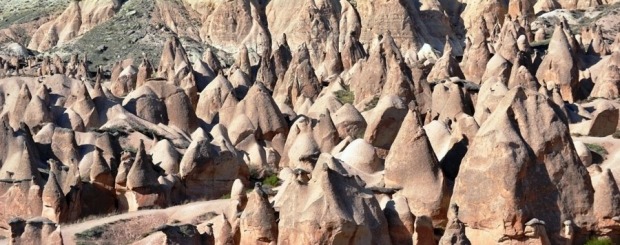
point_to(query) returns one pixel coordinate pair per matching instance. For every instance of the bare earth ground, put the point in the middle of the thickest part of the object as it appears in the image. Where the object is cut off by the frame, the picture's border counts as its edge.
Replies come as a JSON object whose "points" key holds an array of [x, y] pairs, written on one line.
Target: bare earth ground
{"points": [[186, 213]]}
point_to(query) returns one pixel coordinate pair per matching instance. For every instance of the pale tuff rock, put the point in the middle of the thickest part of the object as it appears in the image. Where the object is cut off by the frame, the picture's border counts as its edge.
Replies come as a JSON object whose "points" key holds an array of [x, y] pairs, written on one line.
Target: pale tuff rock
{"points": [[258, 220], [524, 120], [606, 198], [349, 121], [321, 202], [497, 68], [520, 75], [400, 220], [601, 122], [450, 101], [446, 67], [584, 153], [300, 80], [606, 76], [477, 54], [166, 156], [78, 18], [506, 43], [141, 175], [559, 68], [174, 64], [205, 160], [213, 97], [384, 121], [305, 20], [384, 70], [491, 11], [234, 23], [412, 167], [262, 110], [455, 230], [54, 203], [361, 156]]}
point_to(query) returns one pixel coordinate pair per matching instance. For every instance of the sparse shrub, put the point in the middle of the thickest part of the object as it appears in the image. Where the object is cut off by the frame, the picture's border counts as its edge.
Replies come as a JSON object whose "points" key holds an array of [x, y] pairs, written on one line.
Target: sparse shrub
{"points": [[92, 233], [360, 133], [148, 132], [187, 230], [130, 149], [616, 135], [372, 103], [271, 180], [599, 241], [254, 172], [345, 96], [596, 148], [541, 43], [225, 196], [113, 131]]}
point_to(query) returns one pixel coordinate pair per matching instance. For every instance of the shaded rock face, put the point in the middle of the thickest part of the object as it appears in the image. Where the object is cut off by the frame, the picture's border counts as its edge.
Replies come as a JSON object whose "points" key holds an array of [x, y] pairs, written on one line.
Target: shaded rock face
{"points": [[214, 162], [527, 167], [333, 196]]}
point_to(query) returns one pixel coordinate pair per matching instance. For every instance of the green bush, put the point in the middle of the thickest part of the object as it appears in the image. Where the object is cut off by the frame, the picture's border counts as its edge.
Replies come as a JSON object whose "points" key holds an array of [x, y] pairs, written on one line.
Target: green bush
{"points": [[541, 43], [372, 103], [92, 233], [271, 180], [345, 96], [599, 241], [596, 148]]}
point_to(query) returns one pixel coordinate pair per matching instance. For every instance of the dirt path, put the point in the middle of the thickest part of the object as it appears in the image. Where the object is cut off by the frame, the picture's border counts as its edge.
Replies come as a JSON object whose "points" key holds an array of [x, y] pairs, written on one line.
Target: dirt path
{"points": [[68, 232], [183, 213]]}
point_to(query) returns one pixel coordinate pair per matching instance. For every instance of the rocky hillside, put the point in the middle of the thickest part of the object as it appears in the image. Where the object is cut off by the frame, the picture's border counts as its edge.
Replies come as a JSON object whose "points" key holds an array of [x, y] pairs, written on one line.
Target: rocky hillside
{"points": [[309, 122]]}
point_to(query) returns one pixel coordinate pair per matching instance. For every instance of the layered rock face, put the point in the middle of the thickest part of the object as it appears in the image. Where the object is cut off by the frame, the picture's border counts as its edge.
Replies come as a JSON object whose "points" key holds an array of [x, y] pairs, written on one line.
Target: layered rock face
{"points": [[78, 18]]}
